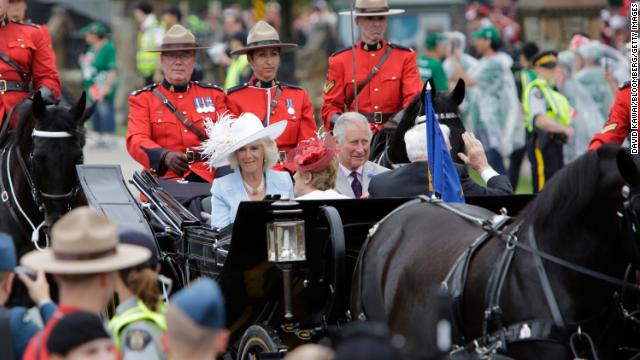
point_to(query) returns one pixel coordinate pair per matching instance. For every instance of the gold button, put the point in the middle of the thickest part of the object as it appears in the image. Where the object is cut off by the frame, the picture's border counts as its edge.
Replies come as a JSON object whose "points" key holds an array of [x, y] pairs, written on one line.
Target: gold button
{"points": [[372, 55], [294, 118], [376, 107], [376, 89], [22, 46], [179, 96], [184, 113], [393, 78], [159, 120], [185, 130]]}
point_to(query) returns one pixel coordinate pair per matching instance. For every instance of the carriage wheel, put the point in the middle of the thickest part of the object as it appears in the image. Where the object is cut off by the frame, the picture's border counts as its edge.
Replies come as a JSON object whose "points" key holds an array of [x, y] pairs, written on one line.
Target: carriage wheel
{"points": [[257, 340]]}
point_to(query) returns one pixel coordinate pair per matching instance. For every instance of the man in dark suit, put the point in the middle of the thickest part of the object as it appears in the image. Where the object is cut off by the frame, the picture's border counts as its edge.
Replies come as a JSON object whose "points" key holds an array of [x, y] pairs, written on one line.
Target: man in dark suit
{"points": [[411, 179]]}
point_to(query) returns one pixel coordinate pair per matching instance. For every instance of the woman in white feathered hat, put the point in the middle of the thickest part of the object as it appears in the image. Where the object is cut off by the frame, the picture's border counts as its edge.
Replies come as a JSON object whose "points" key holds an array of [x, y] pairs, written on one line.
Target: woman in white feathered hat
{"points": [[250, 149]]}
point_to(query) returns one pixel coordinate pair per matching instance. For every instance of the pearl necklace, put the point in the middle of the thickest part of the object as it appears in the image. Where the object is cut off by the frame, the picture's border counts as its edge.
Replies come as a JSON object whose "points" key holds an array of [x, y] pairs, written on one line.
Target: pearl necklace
{"points": [[254, 191]]}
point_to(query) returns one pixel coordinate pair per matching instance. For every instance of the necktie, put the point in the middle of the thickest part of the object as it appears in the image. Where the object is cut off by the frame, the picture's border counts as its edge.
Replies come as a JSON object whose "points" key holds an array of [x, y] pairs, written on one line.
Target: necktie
{"points": [[356, 186]]}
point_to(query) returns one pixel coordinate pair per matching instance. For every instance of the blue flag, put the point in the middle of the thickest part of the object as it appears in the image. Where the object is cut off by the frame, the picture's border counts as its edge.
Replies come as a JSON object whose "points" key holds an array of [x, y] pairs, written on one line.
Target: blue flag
{"points": [[444, 179]]}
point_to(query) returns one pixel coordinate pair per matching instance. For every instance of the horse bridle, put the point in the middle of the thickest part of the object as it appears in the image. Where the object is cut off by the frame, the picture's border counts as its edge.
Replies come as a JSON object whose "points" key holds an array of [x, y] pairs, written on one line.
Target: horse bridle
{"points": [[37, 194]]}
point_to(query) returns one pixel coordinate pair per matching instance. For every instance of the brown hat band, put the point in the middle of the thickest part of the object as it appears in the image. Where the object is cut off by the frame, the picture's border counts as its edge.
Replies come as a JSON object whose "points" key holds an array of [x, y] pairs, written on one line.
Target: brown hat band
{"points": [[178, 46], [372, 10], [87, 256], [265, 42]]}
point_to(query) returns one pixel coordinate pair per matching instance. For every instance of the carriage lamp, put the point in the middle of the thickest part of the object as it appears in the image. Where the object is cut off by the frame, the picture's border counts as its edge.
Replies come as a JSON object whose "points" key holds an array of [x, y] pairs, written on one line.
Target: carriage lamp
{"points": [[285, 234], [286, 244]]}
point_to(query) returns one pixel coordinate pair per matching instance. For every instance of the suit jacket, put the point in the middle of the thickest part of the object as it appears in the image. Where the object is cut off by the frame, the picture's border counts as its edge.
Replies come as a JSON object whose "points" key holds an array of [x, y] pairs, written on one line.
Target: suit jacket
{"points": [[227, 192], [370, 170], [411, 180]]}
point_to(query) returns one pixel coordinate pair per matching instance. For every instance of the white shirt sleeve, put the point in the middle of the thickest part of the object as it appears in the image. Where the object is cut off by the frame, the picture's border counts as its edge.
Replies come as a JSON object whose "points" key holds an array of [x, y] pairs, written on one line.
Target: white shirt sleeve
{"points": [[488, 174]]}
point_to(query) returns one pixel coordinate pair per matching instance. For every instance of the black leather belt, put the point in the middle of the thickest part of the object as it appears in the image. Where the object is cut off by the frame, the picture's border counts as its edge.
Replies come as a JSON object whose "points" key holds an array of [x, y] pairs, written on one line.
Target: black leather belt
{"points": [[193, 156], [10, 85], [378, 117]]}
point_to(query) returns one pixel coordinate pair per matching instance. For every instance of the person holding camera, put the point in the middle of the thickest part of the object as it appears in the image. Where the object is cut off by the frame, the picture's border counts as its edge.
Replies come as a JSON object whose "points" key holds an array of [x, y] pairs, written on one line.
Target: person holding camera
{"points": [[547, 119]]}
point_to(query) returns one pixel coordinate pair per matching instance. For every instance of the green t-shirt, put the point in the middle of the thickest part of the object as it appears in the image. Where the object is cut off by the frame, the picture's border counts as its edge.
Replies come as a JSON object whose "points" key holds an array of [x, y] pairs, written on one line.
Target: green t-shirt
{"points": [[96, 67], [431, 68]]}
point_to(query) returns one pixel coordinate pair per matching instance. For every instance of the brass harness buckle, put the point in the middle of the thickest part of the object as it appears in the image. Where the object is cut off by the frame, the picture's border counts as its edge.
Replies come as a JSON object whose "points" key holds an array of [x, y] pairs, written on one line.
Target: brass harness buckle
{"points": [[377, 117]]}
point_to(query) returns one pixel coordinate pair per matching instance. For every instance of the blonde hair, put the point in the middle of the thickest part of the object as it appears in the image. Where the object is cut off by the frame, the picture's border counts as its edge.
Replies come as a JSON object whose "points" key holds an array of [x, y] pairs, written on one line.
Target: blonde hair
{"points": [[271, 155], [325, 179], [143, 282]]}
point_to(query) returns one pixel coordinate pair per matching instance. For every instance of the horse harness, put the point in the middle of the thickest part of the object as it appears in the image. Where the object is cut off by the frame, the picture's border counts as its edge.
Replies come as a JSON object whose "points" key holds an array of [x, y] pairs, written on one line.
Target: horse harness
{"points": [[7, 191], [493, 341], [555, 330]]}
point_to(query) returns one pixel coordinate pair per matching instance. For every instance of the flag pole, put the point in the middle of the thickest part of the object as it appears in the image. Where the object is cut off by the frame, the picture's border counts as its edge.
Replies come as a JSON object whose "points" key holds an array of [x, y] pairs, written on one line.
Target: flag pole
{"points": [[352, 19], [429, 178]]}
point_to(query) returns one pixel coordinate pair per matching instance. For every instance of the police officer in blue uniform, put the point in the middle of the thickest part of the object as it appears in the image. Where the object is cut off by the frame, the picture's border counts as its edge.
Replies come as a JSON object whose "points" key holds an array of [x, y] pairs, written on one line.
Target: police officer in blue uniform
{"points": [[19, 324]]}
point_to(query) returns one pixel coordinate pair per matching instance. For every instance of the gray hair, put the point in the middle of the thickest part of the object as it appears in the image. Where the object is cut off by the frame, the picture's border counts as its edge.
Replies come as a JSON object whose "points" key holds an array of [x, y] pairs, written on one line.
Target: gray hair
{"points": [[415, 140], [346, 119], [271, 155]]}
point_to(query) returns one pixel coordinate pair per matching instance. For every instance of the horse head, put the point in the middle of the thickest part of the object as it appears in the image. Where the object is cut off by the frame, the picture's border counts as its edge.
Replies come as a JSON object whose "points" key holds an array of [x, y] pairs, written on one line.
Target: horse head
{"points": [[50, 145], [446, 109]]}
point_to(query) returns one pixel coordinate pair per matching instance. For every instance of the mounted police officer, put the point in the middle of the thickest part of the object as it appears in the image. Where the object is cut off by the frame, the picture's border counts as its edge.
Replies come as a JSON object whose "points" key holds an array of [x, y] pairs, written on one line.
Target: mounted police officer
{"points": [[387, 74], [166, 121], [265, 96], [547, 119], [618, 126], [27, 62]]}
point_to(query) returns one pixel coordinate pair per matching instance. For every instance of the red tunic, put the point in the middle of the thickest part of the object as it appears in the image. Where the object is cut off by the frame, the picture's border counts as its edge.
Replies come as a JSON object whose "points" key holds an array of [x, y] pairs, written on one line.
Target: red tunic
{"points": [[617, 128], [293, 106], [30, 48], [154, 129], [390, 90]]}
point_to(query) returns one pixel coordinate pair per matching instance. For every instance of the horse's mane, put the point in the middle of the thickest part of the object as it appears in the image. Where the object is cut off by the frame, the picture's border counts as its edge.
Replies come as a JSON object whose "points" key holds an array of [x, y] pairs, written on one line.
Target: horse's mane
{"points": [[567, 193]]}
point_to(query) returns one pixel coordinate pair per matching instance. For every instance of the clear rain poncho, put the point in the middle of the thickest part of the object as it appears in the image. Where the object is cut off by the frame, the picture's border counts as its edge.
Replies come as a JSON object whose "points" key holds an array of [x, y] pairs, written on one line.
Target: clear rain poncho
{"points": [[587, 119], [493, 111]]}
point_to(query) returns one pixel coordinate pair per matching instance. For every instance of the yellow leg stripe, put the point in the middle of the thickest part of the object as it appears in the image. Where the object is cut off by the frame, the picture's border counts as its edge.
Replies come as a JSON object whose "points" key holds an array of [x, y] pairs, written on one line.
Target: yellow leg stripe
{"points": [[540, 163]]}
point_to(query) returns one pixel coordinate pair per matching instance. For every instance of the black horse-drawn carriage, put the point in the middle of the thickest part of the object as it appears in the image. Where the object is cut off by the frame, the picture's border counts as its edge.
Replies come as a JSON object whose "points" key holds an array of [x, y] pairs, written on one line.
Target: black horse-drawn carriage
{"points": [[285, 267]]}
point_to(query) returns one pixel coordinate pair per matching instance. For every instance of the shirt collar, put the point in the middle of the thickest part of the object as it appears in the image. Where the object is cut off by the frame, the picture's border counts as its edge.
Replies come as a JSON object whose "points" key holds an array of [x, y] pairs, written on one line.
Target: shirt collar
{"points": [[264, 84], [175, 88], [371, 47], [348, 172]]}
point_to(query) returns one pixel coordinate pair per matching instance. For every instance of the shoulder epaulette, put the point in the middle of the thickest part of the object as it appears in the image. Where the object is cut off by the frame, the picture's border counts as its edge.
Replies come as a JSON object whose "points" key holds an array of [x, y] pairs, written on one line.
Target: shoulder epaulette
{"points": [[208, 85], [26, 23], [149, 87], [237, 87], [400, 47], [291, 86], [625, 84], [341, 51]]}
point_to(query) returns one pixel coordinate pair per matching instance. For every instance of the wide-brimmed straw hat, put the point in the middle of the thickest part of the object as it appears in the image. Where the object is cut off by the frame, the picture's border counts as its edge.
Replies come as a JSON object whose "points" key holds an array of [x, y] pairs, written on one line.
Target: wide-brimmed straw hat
{"points": [[261, 36], [229, 134], [85, 242], [178, 38], [372, 8]]}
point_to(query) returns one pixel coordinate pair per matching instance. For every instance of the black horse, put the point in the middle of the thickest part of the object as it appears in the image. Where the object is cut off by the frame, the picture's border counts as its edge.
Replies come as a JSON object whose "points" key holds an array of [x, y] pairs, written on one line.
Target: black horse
{"points": [[38, 179], [446, 108], [581, 217]]}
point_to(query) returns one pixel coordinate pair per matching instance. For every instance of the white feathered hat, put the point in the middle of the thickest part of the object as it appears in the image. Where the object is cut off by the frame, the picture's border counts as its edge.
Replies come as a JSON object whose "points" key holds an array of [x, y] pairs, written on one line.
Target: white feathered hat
{"points": [[229, 134]]}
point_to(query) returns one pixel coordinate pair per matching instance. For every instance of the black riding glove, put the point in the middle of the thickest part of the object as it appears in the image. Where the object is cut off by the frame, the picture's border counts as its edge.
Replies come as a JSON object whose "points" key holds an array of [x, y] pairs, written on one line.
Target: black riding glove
{"points": [[47, 96], [176, 161]]}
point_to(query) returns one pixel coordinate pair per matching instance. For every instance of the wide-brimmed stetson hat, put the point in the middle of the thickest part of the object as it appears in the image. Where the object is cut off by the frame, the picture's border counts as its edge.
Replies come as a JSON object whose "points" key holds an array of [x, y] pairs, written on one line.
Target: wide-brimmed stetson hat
{"points": [[229, 134], [263, 35], [85, 242], [178, 38], [372, 8]]}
